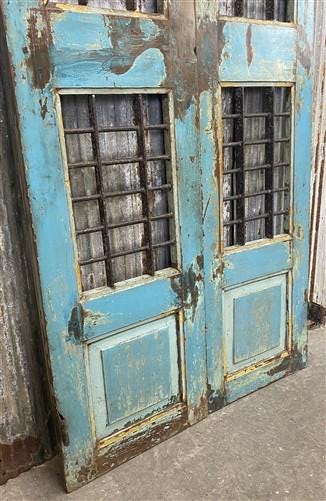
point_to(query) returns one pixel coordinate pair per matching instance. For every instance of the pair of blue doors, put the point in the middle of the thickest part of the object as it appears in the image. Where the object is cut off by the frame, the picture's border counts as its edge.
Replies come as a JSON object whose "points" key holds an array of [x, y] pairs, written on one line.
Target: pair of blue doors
{"points": [[165, 149]]}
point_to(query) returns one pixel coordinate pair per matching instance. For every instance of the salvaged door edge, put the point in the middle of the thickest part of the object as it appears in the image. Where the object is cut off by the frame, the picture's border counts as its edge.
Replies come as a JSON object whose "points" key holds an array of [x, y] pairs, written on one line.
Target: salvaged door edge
{"points": [[299, 78], [38, 106]]}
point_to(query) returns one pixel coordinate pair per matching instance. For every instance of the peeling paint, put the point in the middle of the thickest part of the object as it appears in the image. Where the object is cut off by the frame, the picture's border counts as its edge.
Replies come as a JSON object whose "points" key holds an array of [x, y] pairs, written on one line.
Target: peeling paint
{"points": [[39, 39]]}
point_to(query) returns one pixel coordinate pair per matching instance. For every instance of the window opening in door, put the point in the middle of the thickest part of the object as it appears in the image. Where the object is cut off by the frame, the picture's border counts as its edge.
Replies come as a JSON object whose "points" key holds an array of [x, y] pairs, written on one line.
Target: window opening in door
{"points": [[256, 162], [118, 154], [146, 6], [268, 10]]}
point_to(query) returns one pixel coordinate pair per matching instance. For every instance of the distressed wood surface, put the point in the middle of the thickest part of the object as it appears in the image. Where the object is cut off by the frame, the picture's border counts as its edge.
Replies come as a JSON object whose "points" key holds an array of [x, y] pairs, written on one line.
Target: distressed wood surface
{"points": [[317, 293], [24, 436]]}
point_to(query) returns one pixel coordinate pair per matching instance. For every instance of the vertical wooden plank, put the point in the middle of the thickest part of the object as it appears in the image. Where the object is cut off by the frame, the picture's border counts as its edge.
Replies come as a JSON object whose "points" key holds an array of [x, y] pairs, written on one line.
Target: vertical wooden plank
{"points": [[302, 169], [24, 418], [186, 108], [210, 100], [317, 279]]}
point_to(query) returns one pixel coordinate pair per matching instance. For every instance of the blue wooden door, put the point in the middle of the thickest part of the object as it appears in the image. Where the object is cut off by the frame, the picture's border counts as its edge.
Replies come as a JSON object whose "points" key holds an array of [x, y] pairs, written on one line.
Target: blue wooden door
{"points": [[256, 126], [106, 95], [166, 154]]}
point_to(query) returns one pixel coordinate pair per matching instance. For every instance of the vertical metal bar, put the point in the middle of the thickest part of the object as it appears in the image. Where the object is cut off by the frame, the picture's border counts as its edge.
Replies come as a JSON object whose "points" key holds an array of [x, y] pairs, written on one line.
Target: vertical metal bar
{"points": [[100, 188], [238, 8], [268, 106], [238, 98], [131, 4], [269, 10], [144, 181]]}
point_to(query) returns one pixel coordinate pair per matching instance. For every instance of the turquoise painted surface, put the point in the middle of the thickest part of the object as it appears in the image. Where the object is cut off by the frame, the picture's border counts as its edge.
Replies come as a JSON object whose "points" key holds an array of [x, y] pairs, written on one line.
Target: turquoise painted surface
{"points": [[133, 374], [213, 260], [302, 161], [255, 52], [192, 252], [44, 175], [252, 263], [100, 51], [112, 311], [255, 321]]}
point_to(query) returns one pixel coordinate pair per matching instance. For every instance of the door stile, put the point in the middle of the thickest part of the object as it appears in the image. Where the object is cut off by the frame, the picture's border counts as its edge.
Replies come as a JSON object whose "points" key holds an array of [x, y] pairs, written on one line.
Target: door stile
{"points": [[209, 99], [301, 185]]}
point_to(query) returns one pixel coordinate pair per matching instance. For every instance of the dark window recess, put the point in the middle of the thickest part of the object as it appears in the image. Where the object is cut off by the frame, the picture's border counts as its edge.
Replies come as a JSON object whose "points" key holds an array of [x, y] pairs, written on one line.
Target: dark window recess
{"points": [[269, 10], [121, 185], [146, 6], [256, 162]]}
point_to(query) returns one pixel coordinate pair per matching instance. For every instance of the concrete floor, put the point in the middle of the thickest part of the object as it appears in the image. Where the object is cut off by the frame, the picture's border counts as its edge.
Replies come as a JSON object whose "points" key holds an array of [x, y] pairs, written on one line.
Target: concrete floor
{"points": [[268, 446]]}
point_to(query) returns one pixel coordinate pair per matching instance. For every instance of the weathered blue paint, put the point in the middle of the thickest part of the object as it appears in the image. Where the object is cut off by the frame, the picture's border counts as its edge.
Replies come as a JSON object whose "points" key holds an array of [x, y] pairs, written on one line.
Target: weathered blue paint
{"points": [[252, 263], [257, 52], [301, 183], [191, 238], [134, 374], [119, 309], [255, 322], [52, 50], [71, 50], [83, 60]]}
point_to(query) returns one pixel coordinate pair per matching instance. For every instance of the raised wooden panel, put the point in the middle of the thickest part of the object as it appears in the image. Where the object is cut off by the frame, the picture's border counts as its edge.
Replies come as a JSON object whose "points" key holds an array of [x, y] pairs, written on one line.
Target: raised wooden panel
{"points": [[133, 374], [255, 321]]}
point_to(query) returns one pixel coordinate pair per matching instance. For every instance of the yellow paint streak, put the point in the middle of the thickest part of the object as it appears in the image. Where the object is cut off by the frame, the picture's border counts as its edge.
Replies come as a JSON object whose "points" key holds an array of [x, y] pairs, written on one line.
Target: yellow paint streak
{"points": [[109, 12], [138, 428], [259, 365]]}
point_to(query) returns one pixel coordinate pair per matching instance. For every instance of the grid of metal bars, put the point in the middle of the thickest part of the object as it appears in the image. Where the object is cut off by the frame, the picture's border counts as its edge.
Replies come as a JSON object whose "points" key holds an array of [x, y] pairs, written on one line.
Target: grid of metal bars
{"points": [[147, 6], [269, 10], [235, 169], [140, 127]]}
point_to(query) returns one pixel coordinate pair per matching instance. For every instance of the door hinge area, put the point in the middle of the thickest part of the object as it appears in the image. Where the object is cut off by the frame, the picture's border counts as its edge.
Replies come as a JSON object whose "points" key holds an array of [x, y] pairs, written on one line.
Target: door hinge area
{"points": [[76, 324]]}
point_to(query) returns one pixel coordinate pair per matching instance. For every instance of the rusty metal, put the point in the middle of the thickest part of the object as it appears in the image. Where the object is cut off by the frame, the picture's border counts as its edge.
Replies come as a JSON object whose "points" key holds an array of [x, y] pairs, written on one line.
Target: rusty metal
{"points": [[145, 190], [238, 170]]}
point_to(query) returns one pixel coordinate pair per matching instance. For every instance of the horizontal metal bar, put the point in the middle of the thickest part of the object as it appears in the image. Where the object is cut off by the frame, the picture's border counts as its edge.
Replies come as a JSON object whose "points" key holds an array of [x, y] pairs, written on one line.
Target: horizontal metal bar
{"points": [[254, 218], [83, 130], [161, 187], [120, 161], [86, 231], [257, 167], [282, 114], [168, 215], [231, 171], [126, 223], [258, 115], [282, 140], [85, 198], [128, 252], [126, 128], [123, 193], [92, 260], [156, 126], [163, 244], [140, 221], [257, 141], [90, 130], [77, 165], [157, 157], [282, 164], [254, 194], [284, 212], [230, 116], [232, 144]]}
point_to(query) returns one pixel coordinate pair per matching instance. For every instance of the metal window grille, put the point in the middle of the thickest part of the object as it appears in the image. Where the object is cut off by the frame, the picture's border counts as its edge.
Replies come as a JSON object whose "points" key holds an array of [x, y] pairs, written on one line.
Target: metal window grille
{"points": [[256, 163], [121, 185], [269, 10], [146, 6]]}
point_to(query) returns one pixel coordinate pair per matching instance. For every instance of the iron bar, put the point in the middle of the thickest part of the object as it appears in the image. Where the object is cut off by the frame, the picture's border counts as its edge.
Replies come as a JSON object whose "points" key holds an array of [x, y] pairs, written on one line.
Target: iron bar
{"points": [[144, 182], [268, 106], [100, 188]]}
